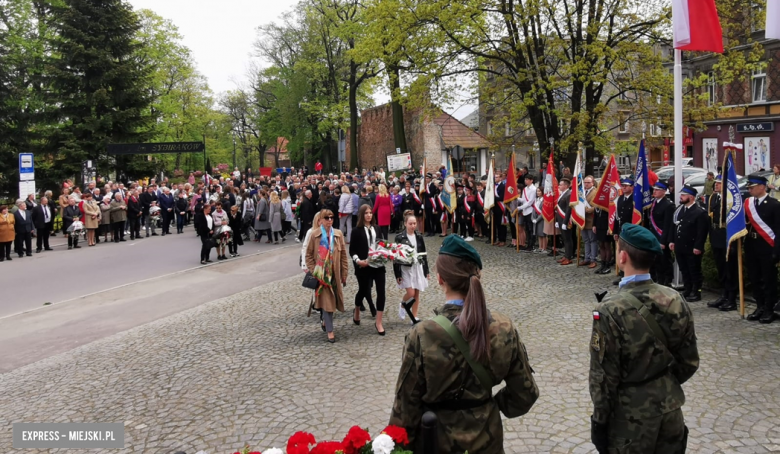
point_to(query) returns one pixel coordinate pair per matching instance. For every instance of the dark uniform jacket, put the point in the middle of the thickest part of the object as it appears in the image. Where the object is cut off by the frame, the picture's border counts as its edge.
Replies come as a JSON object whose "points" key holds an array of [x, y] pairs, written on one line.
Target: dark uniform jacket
{"points": [[769, 211], [717, 233], [659, 217], [624, 213], [691, 227], [146, 200], [435, 376], [402, 238], [633, 376], [563, 205]]}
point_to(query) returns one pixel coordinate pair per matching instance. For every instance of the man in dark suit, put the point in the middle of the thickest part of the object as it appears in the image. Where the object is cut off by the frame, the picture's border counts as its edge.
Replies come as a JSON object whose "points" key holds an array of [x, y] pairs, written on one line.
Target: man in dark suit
{"points": [[306, 214], [563, 221], [429, 199], [624, 212], [146, 199], [659, 222], [762, 248], [691, 226], [23, 227], [727, 268], [43, 218], [497, 221]]}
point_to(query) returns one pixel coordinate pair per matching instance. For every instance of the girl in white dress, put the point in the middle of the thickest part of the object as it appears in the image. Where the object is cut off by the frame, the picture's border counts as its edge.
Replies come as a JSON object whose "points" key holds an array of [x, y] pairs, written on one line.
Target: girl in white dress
{"points": [[412, 278]]}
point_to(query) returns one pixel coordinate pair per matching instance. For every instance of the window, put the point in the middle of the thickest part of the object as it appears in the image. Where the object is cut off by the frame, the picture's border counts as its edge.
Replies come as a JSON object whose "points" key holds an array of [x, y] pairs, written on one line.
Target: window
{"points": [[529, 131], [507, 130], [712, 89], [489, 128], [759, 85], [623, 121], [653, 132]]}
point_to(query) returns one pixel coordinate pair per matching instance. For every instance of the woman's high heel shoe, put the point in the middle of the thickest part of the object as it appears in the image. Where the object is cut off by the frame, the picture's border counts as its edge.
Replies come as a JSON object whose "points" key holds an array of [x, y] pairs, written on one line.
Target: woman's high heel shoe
{"points": [[357, 322], [381, 333]]}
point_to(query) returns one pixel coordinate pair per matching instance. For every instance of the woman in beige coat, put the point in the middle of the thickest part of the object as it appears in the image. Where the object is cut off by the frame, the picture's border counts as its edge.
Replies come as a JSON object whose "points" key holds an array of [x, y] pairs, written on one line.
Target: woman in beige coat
{"points": [[105, 217], [91, 217], [118, 217], [326, 257], [7, 232]]}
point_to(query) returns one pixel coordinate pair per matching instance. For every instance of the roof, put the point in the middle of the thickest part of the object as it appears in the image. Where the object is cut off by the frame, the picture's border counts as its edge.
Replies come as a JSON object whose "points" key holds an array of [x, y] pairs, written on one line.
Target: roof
{"points": [[456, 133]]}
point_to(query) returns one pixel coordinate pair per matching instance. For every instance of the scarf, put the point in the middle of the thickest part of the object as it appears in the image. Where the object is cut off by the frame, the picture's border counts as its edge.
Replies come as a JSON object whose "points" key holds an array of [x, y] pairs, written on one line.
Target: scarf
{"points": [[323, 270]]}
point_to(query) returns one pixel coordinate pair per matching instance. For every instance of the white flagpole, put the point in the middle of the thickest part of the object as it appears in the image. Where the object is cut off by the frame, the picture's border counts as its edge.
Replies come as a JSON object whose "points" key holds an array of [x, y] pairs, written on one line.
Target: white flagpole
{"points": [[678, 125]]}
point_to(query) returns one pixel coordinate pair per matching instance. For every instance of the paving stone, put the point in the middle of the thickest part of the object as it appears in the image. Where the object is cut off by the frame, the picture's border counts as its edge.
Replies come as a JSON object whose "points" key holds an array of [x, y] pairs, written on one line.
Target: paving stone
{"points": [[252, 368]]}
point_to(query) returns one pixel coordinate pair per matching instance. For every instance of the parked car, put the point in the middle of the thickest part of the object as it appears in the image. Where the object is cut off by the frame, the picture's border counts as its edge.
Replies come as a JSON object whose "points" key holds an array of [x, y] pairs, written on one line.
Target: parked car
{"points": [[666, 172]]}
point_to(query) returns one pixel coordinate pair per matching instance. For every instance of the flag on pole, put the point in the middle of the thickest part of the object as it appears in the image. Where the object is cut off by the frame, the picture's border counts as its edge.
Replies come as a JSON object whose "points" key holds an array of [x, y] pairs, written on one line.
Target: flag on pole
{"points": [[696, 26], [490, 191], [772, 28], [423, 186], [577, 200], [609, 181], [510, 192], [448, 196], [643, 193], [732, 200], [550, 191]]}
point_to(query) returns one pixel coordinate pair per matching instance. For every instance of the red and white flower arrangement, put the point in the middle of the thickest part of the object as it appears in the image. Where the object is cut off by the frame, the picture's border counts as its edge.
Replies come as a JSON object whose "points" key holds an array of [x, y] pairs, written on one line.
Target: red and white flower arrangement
{"points": [[392, 440], [384, 252]]}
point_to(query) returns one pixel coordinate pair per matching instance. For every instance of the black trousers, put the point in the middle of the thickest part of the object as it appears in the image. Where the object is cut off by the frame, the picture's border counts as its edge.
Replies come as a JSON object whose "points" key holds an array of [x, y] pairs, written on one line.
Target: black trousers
{"points": [[135, 227], [42, 240], [23, 243], [205, 248], [431, 220], [512, 227], [568, 243], [384, 232], [166, 221], [119, 230], [761, 272], [481, 223], [364, 288], [690, 268], [728, 271], [499, 230], [662, 270], [305, 227], [465, 227], [5, 250], [72, 240], [233, 247], [528, 225]]}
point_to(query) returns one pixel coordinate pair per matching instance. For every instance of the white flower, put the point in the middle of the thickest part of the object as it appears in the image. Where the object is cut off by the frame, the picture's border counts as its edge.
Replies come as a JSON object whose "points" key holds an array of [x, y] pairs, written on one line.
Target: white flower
{"points": [[273, 451], [383, 444]]}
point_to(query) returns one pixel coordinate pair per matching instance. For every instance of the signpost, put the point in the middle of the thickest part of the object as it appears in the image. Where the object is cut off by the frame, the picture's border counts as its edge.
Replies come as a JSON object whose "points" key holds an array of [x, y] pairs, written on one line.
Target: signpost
{"points": [[151, 148], [26, 175]]}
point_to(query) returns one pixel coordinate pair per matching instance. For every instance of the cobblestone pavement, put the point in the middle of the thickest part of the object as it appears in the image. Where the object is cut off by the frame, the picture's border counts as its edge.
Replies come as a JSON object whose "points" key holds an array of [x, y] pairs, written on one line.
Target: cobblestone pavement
{"points": [[252, 368]]}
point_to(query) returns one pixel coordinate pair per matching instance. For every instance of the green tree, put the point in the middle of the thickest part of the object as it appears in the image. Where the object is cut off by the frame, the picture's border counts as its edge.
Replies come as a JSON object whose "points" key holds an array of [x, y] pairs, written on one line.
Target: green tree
{"points": [[101, 83]]}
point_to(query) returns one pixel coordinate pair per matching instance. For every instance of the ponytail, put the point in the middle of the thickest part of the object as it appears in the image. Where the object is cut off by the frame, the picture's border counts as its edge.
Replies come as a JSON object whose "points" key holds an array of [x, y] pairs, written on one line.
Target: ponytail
{"points": [[463, 276]]}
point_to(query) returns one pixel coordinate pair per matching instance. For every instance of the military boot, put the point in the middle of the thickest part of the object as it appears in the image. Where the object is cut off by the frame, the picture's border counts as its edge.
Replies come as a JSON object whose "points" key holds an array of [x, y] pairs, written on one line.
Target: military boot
{"points": [[718, 302], [729, 305], [756, 315], [694, 296]]}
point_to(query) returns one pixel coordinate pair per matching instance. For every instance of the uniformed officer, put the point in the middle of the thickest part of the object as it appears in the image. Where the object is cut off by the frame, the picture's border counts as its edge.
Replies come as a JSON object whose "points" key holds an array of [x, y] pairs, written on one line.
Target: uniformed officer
{"points": [[659, 222], [643, 348], [691, 225], [762, 247], [727, 269], [431, 220], [436, 375], [624, 212]]}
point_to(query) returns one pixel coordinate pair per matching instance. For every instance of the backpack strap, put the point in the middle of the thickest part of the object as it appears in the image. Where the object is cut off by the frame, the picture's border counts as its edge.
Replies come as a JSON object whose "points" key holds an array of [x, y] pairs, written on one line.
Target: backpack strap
{"points": [[463, 346], [652, 323]]}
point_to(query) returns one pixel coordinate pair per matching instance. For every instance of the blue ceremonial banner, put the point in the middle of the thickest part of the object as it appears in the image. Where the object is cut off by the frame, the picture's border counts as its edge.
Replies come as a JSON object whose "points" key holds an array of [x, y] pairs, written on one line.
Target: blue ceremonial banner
{"points": [[449, 196], [735, 216], [643, 193]]}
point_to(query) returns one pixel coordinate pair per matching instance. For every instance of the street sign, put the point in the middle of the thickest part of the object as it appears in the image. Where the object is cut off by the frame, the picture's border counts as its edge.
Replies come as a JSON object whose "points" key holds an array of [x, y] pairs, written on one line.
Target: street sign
{"points": [[458, 152], [149, 148], [25, 188], [756, 127], [398, 151], [26, 167], [399, 162]]}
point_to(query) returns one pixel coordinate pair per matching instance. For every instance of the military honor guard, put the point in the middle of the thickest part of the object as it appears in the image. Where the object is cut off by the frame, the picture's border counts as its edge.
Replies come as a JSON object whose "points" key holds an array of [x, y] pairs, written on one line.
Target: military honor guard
{"points": [[762, 250], [624, 212], [563, 221], [659, 222], [727, 269], [691, 226], [642, 349]]}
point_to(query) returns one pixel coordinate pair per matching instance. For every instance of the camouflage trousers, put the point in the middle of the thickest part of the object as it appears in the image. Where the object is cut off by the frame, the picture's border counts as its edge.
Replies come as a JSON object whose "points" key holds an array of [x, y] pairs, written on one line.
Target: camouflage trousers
{"points": [[664, 434]]}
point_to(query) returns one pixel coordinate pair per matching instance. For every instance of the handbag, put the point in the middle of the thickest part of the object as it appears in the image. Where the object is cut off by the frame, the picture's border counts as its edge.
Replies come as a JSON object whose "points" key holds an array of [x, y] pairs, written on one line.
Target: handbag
{"points": [[310, 282]]}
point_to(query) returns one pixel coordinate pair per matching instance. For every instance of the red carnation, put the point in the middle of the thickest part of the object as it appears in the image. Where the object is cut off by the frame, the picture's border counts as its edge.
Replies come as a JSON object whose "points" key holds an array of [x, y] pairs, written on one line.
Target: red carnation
{"points": [[328, 447], [356, 438], [398, 434], [299, 443]]}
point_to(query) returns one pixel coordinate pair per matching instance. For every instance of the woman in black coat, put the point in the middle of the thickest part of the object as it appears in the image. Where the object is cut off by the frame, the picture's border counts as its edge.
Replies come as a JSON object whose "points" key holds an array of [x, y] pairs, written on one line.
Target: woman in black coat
{"points": [[205, 224], [182, 204], [235, 222], [364, 236], [412, 278]]}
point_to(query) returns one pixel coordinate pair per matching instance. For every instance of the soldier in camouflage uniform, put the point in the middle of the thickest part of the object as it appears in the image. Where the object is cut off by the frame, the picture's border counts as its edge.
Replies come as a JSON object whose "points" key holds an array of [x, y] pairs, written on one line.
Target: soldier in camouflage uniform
{"points": [[643, 348], [436, 376]]}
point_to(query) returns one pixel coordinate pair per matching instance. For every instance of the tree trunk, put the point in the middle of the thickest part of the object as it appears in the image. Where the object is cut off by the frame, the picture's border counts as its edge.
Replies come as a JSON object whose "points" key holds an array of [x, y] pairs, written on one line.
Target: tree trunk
{"points": [[353, 118], [399, 134]]}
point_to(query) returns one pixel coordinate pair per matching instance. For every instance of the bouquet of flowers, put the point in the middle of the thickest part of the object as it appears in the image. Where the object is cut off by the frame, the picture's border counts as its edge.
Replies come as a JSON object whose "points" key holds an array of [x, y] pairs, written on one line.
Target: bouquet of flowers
{"points": [[154, 213], [401, 254], [391, 440], [407, 255], [223, 235], [75, 229]]}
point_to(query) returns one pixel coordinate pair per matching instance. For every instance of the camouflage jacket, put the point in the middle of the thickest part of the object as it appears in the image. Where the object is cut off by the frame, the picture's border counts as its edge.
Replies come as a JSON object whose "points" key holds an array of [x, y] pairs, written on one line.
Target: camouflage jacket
{"points": [[632, 374], [434, 374]]}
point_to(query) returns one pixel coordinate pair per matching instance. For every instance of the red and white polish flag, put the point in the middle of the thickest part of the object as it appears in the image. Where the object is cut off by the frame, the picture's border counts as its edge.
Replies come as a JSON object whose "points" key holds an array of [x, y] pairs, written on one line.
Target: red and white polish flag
{"points": [[696, 25]]}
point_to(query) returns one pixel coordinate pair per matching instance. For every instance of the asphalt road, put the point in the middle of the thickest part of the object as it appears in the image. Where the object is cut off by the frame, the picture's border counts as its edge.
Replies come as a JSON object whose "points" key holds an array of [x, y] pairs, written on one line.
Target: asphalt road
{"points": [[94, 292]]}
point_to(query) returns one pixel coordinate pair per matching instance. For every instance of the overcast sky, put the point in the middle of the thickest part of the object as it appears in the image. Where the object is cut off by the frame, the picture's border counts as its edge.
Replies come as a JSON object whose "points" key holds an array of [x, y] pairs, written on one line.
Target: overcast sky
{"points": [[220, 35]]}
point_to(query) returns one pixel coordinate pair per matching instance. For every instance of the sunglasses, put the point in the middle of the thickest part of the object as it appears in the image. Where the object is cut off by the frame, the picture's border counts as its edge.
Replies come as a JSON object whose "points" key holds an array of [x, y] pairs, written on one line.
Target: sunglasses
{"points": [[328, 218]]}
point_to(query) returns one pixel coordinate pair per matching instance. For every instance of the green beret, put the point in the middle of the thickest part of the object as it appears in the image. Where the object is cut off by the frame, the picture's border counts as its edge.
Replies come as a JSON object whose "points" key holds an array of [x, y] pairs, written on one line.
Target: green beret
{"points": [[640, 238], [456, 246]]}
